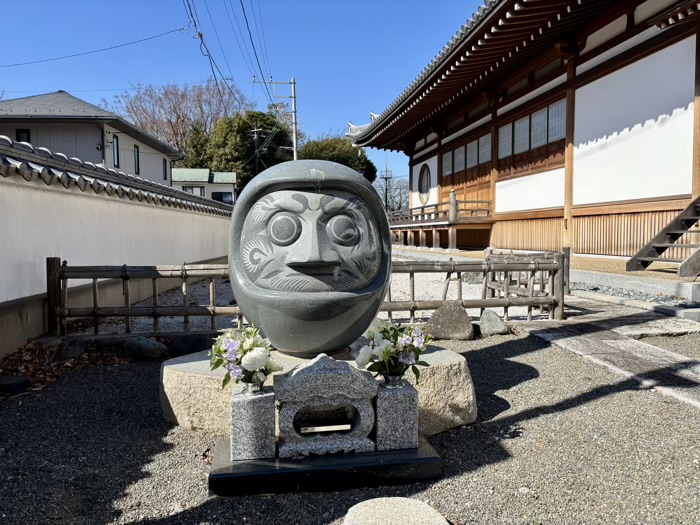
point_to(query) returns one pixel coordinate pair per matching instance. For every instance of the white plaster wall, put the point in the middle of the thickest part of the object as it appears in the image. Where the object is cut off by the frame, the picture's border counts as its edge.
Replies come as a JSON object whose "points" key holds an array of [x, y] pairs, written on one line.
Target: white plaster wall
{"points": [[614, 28], [536, 93], [39, 221], [633, 130], [432, 163], [532, 192]]}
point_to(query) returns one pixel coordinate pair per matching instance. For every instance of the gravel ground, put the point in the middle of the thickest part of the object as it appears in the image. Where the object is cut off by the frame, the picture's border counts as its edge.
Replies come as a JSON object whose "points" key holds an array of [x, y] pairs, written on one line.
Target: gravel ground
{"points": [[670, 300], [558, 441], [687, 345]]}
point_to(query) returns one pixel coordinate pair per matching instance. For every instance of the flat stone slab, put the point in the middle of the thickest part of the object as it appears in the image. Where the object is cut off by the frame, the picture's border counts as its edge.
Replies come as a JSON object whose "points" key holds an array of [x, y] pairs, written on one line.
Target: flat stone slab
{"points": [[192, 397], [321, 473], [393, 511]]}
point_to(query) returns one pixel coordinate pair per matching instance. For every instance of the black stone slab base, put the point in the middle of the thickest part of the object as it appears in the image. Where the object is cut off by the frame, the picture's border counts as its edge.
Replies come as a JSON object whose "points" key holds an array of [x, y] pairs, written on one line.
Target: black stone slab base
{"points": [[321, 473], [13, 384]]}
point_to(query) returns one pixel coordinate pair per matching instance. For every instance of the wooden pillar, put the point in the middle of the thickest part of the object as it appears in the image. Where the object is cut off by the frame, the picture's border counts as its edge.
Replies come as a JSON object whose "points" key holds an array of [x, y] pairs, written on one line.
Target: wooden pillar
{"points": [[494, 155], [452, 238], [421, 238], [436, 239], [410, 240], [696, 130], [569, 155], [53, 295]]}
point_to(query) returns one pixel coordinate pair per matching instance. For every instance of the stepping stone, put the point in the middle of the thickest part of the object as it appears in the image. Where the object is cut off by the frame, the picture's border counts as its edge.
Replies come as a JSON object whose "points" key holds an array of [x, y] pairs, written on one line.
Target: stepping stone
{"points": [[393, 511]]}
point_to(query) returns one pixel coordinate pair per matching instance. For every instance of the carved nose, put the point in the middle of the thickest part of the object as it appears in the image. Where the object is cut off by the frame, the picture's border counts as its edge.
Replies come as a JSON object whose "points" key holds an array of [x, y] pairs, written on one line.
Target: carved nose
{"points": [[308, 253]]}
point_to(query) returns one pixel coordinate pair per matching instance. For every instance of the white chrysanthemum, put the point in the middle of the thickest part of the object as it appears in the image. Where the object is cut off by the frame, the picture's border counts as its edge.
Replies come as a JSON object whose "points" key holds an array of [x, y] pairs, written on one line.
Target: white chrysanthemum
{"points": [[364, 357], [260, 376], [370, 333], [255, 359], [272, 365]]}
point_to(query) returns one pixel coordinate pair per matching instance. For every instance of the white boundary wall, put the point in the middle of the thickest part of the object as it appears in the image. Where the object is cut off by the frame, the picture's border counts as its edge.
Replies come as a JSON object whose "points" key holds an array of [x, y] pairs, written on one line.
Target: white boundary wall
{"points": [[39, 221], [633, 131]]}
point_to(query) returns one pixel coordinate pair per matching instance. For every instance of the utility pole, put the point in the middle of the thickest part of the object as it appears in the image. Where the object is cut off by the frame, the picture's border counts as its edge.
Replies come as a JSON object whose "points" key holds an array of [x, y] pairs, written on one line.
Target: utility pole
{"points": [[254, 133], [386, 175], [293, 83]]}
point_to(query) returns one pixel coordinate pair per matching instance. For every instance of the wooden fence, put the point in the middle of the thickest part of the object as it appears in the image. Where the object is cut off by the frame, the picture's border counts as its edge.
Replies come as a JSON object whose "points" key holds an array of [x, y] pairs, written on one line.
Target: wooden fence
{"points": [[507, 281]]}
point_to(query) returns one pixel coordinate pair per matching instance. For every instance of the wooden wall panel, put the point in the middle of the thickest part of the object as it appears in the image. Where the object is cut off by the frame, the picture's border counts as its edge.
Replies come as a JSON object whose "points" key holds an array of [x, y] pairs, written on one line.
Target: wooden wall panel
{"points": [[620, 234], [529, 234]]}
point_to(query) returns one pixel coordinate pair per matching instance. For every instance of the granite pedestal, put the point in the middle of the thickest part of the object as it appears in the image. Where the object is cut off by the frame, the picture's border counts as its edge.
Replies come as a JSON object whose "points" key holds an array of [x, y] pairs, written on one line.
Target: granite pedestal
{"points": [[253, 425]]}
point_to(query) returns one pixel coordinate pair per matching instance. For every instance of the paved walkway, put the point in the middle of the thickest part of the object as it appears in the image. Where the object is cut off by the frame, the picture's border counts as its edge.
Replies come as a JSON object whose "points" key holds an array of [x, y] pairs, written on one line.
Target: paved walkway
{"points": [[612, 335]]}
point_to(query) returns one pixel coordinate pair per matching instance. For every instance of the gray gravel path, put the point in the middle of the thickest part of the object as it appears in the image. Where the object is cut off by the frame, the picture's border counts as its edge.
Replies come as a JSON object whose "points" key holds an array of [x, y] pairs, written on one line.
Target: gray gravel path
{"points": [[558, 441], [687, 345]]}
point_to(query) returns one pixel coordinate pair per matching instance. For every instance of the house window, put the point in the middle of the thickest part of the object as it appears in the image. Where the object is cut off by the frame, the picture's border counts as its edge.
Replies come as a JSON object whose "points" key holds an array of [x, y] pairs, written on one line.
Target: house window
{"points": [[447, 164], [222, 196], [194, 190], [137, 165], [115, 150], [459, 159], [505, 141], [23, 135], [485, 148], [424, 184], [165, 169]]}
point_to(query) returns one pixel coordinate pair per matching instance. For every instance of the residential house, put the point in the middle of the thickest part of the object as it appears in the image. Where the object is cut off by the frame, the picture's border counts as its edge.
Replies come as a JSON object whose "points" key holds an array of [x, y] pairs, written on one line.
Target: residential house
{"points": [[63, 123], [550, 125], [218, 186]]}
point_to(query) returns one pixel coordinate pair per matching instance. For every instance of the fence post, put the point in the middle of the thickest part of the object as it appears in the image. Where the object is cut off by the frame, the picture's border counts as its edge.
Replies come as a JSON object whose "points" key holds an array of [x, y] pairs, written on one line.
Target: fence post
{"points": [[567, 268], [53, 294], [453, 211], [558, 290]]}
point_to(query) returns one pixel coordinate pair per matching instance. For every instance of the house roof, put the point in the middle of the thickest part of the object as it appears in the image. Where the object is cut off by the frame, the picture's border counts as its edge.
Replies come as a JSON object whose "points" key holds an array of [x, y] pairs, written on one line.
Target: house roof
{"points": [[62, 106], [501, 37], [203, 175]]}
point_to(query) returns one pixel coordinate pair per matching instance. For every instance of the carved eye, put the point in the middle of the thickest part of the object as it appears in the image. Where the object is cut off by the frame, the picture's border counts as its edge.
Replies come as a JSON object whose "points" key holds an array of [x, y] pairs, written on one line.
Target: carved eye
{"points": [[284, 228], [342, 230]]}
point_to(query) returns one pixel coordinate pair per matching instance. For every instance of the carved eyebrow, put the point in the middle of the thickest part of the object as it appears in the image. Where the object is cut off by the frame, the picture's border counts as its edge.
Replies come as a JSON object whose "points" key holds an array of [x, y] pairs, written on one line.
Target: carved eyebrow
{"points": [[268, 206], [337, 203]]}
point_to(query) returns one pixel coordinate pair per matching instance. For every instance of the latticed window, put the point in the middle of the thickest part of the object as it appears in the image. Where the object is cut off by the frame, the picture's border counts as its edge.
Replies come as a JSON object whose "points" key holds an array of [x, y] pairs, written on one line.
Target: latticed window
{"points": [[538, 128], [521, 135], [459, 159], [447, 164], [505, 141], [472, 153], [557, 120], [485, 148]]}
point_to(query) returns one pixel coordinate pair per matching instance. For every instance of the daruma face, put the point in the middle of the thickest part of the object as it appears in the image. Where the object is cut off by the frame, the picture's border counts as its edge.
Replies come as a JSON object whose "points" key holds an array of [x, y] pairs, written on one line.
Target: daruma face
{"points": [[309, 255], [300, 241]]}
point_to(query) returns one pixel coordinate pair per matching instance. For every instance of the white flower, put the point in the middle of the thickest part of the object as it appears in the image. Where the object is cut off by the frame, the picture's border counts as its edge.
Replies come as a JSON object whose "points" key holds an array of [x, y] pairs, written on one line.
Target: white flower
{"points": [[272, 365], [364, 357], [260, 376], [370, 333], [255, 359]]}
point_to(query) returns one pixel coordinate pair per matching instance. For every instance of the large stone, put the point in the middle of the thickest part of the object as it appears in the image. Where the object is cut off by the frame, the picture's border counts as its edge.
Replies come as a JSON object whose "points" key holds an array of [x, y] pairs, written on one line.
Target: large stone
{"points": [[397, 418], [144, 348], [450, 321], [189, 344], [492, 324], [393, 511], [73, 348], [252, 425], [192, 397], [310, 255]]}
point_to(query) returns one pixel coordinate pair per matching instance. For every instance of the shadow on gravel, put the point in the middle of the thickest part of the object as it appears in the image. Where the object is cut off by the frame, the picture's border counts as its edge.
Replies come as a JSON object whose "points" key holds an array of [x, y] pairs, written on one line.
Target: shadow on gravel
{"points": [[71, 450]]}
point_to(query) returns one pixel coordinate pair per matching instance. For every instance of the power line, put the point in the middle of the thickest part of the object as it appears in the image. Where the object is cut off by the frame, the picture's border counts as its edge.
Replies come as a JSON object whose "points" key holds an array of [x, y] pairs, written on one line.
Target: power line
{"points": [[252, 43], [132, 88], [261, 39], [248, 60], [181, 29], [218, 39]]}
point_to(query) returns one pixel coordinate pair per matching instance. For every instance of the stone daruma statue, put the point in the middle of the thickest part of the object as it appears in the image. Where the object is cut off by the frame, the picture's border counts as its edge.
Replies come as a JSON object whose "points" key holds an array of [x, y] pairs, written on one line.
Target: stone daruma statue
{"points": [[309, 255]]}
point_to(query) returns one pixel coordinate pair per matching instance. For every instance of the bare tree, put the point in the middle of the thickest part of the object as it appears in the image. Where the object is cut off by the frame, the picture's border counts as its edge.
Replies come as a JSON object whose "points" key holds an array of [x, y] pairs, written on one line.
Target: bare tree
{"points": [[169, 113], [397, 194]]}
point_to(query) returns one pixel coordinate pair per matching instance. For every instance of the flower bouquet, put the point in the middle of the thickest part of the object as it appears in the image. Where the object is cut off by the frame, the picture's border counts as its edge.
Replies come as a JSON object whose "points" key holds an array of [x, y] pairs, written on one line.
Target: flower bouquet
{"points": [[245, 355], [392, 350]]}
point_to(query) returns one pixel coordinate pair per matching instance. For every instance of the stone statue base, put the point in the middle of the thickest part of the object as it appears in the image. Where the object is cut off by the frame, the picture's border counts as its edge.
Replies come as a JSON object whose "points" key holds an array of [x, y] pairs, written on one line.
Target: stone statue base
{"points": [[321, 473]]}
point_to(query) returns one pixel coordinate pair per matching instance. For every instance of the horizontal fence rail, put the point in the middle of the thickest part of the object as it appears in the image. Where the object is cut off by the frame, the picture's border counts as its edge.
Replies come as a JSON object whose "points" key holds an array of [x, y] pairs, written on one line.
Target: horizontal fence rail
{"points": [[451, 212], [532, 281]]}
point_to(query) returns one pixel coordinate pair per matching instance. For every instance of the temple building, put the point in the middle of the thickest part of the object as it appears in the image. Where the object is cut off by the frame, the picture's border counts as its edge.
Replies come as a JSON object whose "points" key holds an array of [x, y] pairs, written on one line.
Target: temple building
{"points": [[550, 124]]}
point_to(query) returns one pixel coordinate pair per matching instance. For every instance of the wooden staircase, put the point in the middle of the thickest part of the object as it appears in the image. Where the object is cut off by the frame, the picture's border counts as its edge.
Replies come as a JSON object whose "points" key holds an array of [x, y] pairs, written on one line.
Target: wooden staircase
{"points": [[677, 234]]}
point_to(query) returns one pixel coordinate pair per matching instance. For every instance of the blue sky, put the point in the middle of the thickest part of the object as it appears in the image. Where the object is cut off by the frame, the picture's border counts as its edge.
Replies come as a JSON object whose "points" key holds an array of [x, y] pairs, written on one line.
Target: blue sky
{"points": [[348, 57]]}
